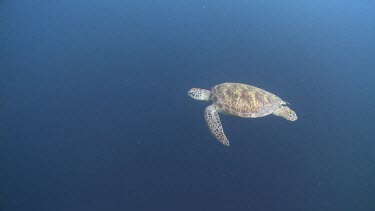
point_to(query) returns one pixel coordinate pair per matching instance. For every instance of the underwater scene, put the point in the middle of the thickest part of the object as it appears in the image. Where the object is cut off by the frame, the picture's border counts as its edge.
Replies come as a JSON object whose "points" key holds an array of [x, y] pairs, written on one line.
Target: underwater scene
{"points": [[202, 105]]}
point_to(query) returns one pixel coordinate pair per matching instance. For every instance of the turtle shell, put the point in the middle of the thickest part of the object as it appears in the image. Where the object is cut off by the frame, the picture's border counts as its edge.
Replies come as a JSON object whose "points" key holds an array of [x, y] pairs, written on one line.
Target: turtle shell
{"points": [[244, 100]]}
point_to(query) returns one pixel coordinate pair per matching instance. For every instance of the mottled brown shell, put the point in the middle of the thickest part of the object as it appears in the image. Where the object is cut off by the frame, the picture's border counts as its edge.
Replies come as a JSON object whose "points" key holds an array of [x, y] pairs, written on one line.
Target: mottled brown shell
{"points": [[244, 100]]}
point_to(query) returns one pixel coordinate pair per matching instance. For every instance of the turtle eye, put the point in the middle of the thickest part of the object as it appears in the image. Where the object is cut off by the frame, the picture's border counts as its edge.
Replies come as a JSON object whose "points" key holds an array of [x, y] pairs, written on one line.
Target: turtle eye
{"points": [[191, 92]]}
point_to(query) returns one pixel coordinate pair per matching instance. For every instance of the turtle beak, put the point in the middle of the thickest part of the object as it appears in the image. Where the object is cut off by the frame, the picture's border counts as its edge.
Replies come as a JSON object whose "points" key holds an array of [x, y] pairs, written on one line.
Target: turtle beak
{"points": [[191, 92]]}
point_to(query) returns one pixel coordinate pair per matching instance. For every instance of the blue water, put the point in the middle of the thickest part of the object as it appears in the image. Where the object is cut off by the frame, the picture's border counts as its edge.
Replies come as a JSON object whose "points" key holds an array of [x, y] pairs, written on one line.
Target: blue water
{"points": [[94, 112]]}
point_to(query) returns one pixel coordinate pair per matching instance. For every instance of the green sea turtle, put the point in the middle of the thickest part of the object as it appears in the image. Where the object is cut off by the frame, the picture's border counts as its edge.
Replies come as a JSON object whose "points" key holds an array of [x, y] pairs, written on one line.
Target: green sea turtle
{"points": [[239, 100]]}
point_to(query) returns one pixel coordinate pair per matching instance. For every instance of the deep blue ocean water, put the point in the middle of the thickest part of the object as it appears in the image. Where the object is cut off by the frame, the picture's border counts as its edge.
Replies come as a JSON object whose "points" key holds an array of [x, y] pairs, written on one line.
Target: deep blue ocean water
{"points": [[94, 112]]}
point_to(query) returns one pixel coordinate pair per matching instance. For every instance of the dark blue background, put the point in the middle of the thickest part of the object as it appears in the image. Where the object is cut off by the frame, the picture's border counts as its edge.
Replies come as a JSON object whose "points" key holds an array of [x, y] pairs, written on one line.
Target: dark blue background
{"points": [[95, 113]]}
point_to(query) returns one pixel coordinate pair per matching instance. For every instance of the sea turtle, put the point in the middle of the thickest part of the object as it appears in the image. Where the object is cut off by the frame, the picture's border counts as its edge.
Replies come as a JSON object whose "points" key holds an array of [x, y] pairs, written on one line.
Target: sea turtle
{"points": [[239, 100]]}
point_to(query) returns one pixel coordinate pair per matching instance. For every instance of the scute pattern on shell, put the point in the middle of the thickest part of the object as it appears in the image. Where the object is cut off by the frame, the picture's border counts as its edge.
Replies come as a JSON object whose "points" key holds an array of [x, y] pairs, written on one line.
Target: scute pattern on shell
{"points": [[244, 100]]}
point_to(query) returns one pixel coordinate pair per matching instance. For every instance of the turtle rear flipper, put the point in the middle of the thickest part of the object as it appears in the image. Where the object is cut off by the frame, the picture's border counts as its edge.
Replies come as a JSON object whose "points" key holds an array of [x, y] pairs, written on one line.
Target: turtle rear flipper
{"points": [[214, 124], [286, 112]]}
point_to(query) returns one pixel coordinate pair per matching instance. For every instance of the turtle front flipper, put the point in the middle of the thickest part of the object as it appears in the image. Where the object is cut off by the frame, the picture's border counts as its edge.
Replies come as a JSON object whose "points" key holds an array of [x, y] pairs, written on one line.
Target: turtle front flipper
{"points": [[213, 121]]}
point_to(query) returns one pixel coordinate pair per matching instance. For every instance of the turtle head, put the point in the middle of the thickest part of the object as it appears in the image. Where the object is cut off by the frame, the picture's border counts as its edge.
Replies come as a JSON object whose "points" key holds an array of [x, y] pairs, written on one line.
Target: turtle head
{"points": [[199, 94], [286, 112]]}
